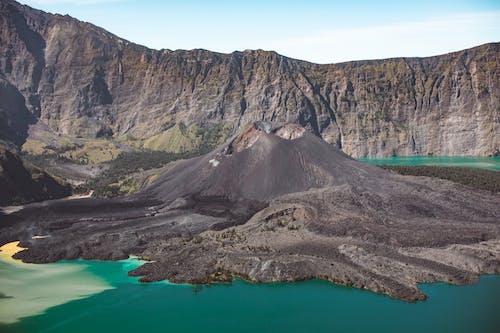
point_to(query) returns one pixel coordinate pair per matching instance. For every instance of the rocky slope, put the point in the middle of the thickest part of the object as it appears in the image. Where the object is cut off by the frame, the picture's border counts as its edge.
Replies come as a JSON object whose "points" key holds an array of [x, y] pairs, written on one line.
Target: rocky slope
{"points": [[20, 183], [78, 80], [236, 212]]}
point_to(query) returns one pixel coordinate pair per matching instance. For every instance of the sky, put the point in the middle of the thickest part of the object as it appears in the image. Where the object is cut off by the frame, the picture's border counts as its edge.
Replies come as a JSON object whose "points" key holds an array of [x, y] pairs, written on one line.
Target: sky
{"points": [[319, 31]]}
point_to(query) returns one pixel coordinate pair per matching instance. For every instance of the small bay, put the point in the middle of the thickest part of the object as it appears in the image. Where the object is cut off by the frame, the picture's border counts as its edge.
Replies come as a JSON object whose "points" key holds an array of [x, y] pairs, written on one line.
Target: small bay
{"points": [[312, 306], [98, 296]]}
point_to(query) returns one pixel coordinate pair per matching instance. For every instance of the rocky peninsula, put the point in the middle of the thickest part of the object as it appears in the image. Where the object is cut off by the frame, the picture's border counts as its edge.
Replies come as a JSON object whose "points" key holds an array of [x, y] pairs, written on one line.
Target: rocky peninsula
{"points": [[277, 203]]}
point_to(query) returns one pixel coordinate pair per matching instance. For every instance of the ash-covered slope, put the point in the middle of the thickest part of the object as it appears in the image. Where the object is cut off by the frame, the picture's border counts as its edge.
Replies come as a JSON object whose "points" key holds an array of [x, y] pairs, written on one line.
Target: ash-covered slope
{"points": [[278, 204], [262, 163], [80, 80]]}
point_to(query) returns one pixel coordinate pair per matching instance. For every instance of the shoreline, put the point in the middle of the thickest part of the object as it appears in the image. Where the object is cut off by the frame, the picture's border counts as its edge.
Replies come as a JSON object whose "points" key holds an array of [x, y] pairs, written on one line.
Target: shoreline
{"points": [[10, 249], [31, 289], [7, 251]]}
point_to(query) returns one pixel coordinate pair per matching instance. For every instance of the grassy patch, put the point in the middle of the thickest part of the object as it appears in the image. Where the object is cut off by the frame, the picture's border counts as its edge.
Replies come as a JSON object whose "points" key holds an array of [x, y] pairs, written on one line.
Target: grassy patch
{"points": [[179, 138], [116, 181], [92, 152], [36, 147], [178, 142], [176, 139]]}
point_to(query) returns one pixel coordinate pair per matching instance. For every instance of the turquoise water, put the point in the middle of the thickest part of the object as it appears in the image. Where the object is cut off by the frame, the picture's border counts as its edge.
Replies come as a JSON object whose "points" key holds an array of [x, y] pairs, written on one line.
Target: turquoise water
{"points": [[96, 296], [490, 163], [313, 306]]}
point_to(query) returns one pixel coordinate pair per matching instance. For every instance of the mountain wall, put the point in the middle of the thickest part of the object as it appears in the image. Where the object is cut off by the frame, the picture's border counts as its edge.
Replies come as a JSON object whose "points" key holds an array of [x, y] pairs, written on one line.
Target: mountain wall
{"points": [[75, 79], [22, 183]]}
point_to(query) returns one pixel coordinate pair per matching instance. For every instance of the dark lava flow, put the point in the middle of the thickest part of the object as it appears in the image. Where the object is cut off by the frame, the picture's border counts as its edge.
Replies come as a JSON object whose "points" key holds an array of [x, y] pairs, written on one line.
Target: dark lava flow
{"points": [[278, 204]]}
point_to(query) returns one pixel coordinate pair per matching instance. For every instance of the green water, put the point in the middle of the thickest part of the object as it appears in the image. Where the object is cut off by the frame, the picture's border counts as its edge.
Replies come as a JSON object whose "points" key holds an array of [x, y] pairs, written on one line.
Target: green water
{"points": [[489, 163], [30, 289], [313, 306], [96, 296]]}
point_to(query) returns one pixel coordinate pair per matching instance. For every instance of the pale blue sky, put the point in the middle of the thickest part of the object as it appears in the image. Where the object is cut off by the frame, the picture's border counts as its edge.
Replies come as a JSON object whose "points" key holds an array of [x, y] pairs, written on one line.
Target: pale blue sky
{"points": [[316, 30]]}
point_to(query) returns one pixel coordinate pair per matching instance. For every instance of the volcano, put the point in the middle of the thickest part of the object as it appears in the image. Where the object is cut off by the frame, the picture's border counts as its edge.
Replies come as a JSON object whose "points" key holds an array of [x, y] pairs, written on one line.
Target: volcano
{"points": [[276, 203], [261, 164]]}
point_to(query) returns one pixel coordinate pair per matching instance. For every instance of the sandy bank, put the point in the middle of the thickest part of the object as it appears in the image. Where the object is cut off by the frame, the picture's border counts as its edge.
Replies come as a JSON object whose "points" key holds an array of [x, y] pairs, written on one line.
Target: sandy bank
{"points": [[8, 250]]}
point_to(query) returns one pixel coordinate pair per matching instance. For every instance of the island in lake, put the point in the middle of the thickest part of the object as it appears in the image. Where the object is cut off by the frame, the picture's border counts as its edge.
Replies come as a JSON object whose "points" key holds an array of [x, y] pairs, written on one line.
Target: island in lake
{"points": [[196, 169], [277, 203]]}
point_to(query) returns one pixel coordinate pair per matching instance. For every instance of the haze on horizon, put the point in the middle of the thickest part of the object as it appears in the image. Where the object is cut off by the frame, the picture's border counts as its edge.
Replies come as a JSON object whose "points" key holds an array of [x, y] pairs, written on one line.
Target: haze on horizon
{"points": [[319, 31]]}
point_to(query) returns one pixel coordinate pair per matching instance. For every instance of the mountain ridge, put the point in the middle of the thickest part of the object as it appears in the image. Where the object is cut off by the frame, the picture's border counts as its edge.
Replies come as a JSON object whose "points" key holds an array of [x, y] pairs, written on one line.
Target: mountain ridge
{"points": [[79, 80]]}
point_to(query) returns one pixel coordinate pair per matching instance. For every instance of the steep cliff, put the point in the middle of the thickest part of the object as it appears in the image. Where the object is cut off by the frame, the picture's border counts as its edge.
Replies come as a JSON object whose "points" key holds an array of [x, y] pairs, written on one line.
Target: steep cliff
{"points": [[79, 80], [21, 183]]}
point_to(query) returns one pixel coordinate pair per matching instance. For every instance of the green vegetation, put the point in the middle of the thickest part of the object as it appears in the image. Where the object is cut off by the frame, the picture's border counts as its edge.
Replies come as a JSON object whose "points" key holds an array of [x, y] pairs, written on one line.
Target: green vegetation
{"points": [[126, 157], [177, 138], [35, 147], [180, 138], [118, 178], [211, 137], [96, 151], [43, 161], [116, 181], [478, 178], [84, 152]]}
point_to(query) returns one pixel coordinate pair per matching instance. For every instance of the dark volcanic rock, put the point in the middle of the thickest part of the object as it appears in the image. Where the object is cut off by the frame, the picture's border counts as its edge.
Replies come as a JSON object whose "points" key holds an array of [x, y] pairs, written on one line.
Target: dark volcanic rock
{"points": [[20, 183], [15, 117], [483, 179], [257, 165], [278, 204], [83, 81]]}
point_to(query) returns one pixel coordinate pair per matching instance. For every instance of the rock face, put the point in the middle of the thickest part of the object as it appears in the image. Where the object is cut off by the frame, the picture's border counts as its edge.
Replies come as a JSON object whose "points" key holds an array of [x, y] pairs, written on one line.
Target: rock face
{"points": [[21, 184], [275, 203], [80, 80]]}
